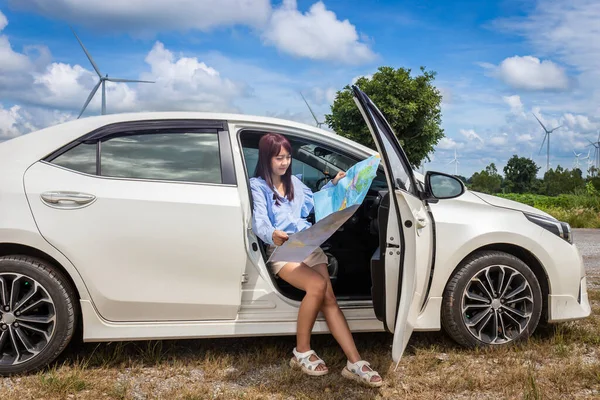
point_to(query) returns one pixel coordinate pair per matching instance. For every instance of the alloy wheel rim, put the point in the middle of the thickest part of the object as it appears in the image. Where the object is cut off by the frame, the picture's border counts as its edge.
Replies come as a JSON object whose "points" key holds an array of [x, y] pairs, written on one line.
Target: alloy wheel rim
{"points": [[497, 304], [27, 318]]}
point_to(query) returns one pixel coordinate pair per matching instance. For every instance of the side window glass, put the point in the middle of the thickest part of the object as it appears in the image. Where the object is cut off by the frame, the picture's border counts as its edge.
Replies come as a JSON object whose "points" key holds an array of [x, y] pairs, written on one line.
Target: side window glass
{"points": [[190, 157], [81, 158], [313, 162], [251, 158], [310, 176]]}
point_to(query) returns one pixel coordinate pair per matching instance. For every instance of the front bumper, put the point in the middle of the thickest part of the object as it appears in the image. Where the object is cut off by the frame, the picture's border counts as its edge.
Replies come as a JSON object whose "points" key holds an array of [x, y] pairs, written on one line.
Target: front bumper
{"points": [[568, 308]]}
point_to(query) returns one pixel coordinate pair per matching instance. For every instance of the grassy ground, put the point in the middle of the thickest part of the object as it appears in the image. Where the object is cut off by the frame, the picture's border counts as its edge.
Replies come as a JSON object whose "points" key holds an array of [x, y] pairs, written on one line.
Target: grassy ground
{"points": [[560, 362]]}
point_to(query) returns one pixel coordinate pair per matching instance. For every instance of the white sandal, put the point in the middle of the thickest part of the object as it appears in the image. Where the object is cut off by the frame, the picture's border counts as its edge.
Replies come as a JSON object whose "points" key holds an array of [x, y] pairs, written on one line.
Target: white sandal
{"points": [[356, 373], [302, 361]]}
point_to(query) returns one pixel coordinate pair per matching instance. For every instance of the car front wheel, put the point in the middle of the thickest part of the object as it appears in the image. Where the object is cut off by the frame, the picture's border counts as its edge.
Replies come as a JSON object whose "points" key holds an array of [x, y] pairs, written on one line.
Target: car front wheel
{"points": [[37, 314], [493, 299]]}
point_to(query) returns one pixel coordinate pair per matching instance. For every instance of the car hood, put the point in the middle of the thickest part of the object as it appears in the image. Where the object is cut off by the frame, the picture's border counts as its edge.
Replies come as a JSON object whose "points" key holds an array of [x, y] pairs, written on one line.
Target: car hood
{"points": [[513, 205]]}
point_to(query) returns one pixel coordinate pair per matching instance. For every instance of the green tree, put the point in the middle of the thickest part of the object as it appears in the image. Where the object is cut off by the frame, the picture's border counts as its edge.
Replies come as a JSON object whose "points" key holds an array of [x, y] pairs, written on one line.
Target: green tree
{"points": [[462, 178], [410, 104], [558, 181], [520, 174], [595, 181], [487, 181]]}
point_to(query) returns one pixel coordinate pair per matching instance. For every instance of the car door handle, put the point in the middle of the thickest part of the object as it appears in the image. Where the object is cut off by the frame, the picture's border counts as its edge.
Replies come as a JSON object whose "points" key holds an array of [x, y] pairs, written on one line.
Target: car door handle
{"points": [[67, 199]]}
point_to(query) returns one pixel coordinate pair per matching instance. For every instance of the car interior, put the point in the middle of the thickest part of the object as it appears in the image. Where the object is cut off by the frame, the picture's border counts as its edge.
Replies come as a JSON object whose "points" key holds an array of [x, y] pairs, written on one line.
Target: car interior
{"points": [[355, 266]]}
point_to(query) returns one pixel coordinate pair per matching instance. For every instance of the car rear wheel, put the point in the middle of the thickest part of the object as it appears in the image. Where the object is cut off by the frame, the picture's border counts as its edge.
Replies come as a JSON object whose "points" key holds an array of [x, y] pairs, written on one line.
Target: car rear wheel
{"points": [[37, 314], [493, 299]]}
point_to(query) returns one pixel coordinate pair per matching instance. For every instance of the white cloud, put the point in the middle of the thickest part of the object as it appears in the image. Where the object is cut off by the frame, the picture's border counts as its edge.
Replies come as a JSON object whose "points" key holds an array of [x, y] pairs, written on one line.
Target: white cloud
{"points": [[524, 138], [470, 134], [581, 122], [499, 140], [566, 28], [565, 31], [182, 83], [530, 73], [10, 61], [516, 106], [3, 21], [446, 94], [152, 16], [185, 83], [447, 143], [9, 121], [317, 35], [324, 96], [369, 77]]}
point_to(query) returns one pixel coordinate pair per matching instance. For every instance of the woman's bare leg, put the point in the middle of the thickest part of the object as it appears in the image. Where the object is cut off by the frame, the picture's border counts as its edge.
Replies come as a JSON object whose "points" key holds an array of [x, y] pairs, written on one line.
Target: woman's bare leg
{"points": [[336, 321], [302, 277]]}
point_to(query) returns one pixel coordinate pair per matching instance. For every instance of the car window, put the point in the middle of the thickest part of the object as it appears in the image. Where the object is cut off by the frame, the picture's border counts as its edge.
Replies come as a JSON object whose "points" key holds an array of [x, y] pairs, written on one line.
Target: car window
{"points": [[309, 175], [190, 157], [314, 163], [81, 158]]}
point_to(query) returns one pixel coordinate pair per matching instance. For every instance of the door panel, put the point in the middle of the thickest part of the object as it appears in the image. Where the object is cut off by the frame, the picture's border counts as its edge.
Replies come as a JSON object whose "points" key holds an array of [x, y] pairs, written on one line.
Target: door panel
{"points": [[147, 250], [414, 280], [409, 240]]}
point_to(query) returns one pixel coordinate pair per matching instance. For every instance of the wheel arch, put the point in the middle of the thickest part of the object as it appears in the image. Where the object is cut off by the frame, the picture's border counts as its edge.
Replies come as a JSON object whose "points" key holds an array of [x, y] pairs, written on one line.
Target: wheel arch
{"points": [[524, 255], [16, 249]]}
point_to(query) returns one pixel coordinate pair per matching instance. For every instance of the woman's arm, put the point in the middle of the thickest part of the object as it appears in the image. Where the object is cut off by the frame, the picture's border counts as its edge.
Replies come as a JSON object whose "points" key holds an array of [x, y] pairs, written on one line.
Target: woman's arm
{"points": [[308, 202], [261, 224], [334, 181]]}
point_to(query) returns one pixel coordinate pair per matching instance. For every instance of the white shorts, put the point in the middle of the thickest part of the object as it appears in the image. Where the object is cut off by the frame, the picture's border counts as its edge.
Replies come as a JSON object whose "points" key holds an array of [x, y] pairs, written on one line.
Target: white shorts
{"points": [[315, 258]]}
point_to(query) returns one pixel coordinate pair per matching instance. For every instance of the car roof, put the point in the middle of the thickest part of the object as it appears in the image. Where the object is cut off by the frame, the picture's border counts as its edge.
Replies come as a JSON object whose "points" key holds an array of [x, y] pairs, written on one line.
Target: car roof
{"points": [[37, 144], [31, 147]]}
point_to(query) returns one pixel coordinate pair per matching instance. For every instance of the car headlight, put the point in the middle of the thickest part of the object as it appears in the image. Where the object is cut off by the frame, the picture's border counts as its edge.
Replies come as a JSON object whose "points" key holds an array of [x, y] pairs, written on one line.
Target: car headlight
{"points": [[559, 228]]}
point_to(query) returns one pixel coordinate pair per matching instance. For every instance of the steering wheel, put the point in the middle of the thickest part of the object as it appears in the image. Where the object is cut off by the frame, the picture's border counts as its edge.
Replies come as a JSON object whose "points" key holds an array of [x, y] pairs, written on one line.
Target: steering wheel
{"points": [[321, 180]]}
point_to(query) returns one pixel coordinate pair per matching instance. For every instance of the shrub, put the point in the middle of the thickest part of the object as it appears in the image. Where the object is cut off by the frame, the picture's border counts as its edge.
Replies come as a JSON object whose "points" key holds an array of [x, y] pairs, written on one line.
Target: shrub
{"points": [[565, 201], [579, 210]]}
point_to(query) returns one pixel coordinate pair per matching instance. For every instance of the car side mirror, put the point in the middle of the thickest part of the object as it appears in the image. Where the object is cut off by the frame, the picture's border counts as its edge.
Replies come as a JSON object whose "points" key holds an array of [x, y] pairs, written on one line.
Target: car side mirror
{"points": [[440, 186]]}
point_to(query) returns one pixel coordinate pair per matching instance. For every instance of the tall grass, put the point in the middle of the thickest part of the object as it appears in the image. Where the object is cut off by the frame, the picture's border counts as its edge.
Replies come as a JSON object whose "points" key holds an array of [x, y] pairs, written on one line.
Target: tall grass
{"points": [[579, 210]]}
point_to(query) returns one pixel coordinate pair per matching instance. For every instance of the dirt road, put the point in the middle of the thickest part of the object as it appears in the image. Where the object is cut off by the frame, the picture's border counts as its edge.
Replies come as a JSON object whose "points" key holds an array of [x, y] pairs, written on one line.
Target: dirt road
{"points": [[588, 243]]}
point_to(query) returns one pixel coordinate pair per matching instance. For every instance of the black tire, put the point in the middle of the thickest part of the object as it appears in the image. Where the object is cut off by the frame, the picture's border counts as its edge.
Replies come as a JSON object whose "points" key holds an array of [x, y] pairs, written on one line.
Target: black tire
{"points": [[506, 318], [65, 308]]}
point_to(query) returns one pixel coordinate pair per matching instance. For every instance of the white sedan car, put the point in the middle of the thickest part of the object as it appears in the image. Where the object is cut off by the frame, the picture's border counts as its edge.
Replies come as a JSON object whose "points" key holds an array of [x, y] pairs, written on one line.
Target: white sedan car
{"points": [[138, 227]]}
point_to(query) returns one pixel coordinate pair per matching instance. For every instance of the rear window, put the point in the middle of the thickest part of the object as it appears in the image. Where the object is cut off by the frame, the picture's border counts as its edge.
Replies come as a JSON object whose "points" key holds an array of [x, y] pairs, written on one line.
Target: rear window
{"points": [[81, 158], [189, 157]]}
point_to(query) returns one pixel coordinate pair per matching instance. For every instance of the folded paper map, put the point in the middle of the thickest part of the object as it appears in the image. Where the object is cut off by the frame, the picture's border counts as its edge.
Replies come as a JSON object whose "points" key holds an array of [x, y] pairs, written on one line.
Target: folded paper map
{"points": [[333, 207], [350, 190]]}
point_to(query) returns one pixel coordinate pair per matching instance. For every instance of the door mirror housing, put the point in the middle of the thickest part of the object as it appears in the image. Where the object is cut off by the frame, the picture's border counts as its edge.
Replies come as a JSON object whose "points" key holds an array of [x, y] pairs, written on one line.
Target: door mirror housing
{"points": [[439, 185]]}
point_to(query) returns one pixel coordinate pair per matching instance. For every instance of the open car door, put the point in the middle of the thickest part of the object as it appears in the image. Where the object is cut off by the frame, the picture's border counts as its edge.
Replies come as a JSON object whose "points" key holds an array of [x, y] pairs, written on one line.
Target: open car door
{"points": [[409, 236]]}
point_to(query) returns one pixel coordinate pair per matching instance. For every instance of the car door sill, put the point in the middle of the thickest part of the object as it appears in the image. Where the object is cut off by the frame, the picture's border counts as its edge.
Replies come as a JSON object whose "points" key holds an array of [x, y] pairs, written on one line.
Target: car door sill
{"points": [[355, 304]]}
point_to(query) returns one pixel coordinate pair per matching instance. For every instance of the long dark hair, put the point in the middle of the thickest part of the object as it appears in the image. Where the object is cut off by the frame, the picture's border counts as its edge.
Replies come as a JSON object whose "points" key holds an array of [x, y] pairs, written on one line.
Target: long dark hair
{"points": [[269, 146]]}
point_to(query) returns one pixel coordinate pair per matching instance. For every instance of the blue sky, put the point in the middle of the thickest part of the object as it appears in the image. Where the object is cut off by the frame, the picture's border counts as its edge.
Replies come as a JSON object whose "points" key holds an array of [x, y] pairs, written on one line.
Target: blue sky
{"points": [[496, 63]]}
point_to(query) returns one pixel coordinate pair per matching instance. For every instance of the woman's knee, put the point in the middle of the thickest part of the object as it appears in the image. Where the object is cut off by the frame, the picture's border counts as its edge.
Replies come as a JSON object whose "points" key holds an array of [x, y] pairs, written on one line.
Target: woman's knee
{"points": [[329, 299], [317, 286]]}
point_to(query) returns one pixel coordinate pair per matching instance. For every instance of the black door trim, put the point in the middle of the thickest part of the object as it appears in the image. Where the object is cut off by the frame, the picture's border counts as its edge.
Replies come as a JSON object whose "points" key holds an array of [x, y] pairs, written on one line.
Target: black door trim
{"points": [[127, 128]]}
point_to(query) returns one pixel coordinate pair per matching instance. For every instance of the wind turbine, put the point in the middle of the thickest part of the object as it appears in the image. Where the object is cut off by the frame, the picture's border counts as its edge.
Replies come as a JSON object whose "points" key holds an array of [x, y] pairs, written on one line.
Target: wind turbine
{"points": [[546, 135], [102, 80], [589, 162], [596, 144], [311, 111], [456, 162], [576, 159]]}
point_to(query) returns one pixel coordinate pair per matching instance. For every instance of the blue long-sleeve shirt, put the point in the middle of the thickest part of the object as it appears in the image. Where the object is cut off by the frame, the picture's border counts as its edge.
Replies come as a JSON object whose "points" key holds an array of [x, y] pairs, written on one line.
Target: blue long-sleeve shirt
{"points": [[289, 216]]}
